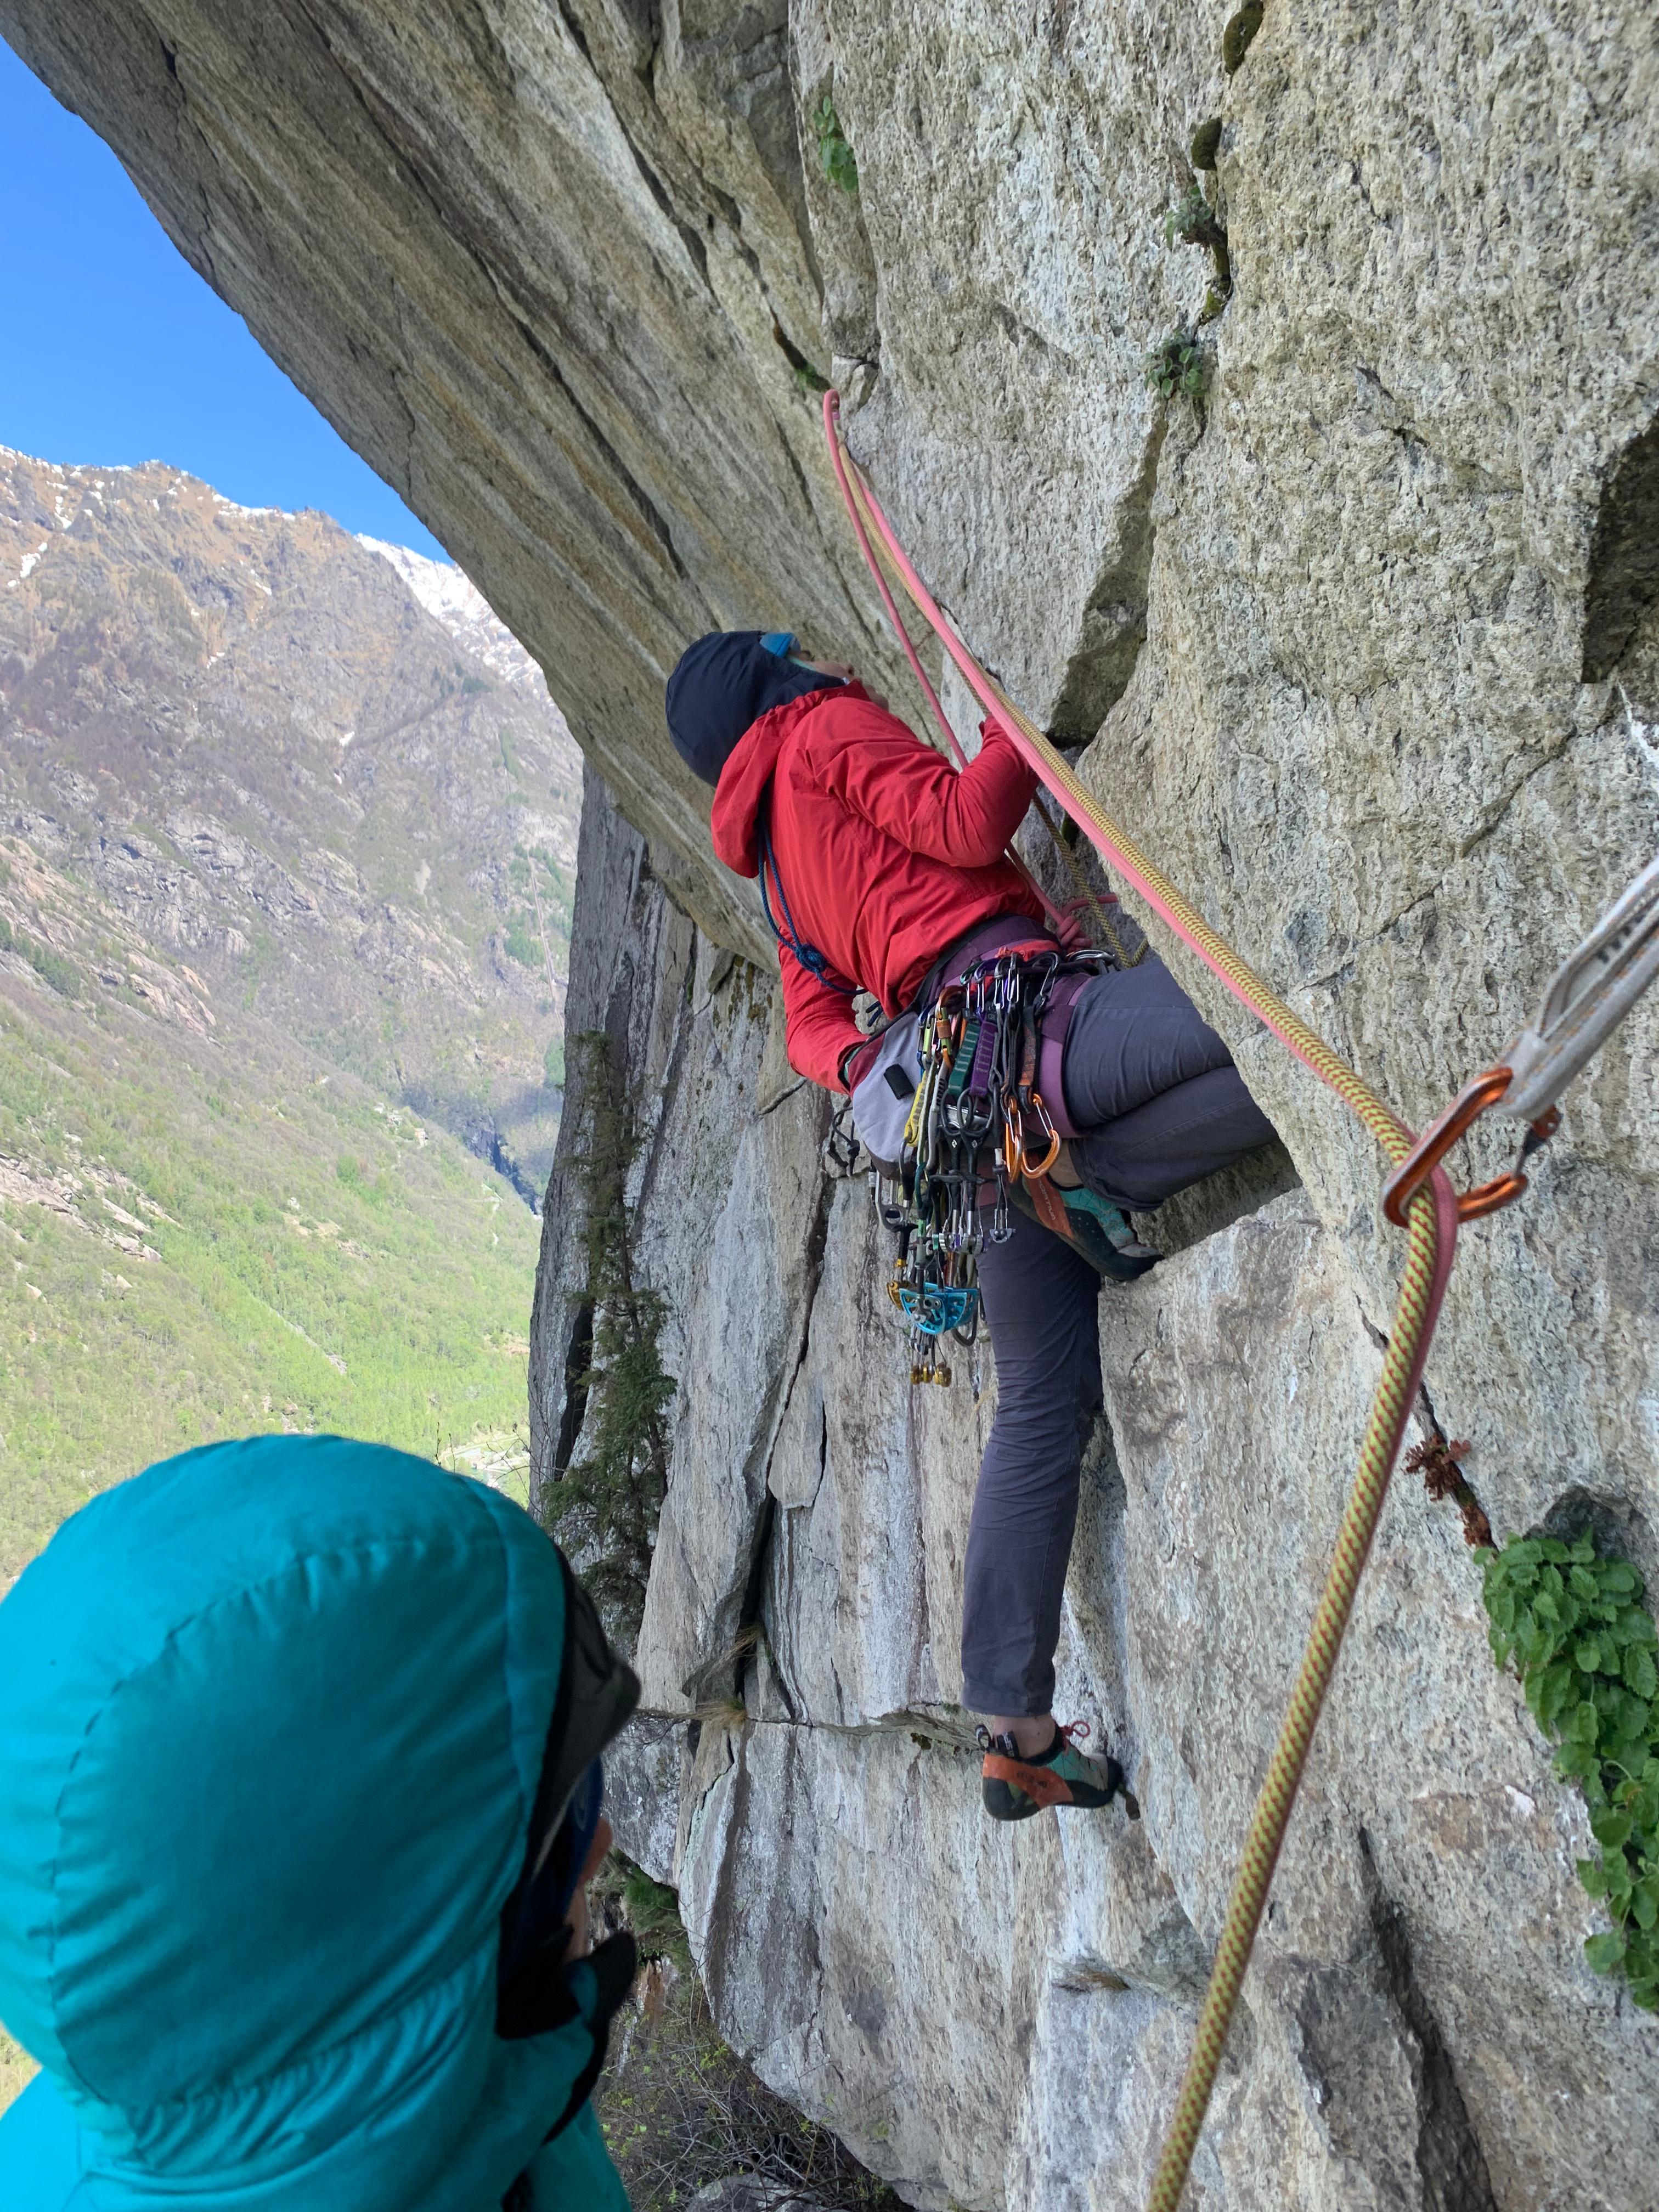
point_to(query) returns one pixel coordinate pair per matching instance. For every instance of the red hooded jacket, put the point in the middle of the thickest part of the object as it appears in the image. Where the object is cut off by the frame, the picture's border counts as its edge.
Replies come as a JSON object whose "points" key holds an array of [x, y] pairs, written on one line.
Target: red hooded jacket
{"points": [[886, 854]]}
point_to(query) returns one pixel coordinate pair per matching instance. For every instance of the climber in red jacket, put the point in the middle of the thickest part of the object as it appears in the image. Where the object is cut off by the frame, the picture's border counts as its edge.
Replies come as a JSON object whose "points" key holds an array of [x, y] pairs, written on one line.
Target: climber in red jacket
{"points": [[884, 870]]}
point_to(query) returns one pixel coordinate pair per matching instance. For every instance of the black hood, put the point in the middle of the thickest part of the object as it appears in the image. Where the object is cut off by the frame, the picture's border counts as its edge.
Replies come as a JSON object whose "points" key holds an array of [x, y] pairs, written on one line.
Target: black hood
{"points": [[725, 682]]}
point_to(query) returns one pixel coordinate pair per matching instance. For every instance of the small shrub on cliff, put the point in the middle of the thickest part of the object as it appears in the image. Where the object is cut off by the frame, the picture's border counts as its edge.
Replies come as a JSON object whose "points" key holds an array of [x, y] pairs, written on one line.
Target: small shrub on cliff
{"points": [[1584, 1645], [617, 1479], [678, 2108], [51, 967], [1192, 221], [1176, 365], [518, 943], [834, 151]]}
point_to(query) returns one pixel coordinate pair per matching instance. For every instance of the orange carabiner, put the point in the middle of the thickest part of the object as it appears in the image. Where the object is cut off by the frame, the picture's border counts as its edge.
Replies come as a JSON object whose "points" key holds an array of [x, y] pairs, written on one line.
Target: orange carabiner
{"points": [[1033, 1174], [1438, 1140], [1013, 1145]]}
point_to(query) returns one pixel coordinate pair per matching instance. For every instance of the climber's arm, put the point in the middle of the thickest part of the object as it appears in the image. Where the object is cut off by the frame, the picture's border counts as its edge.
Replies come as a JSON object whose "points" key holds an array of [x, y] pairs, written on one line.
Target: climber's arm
{"points": [[818, 1022], [879, 768]]}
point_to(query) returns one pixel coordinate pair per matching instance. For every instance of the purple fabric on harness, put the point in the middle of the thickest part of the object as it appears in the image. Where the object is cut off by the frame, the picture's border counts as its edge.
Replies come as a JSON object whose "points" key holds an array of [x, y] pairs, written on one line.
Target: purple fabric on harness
{"points": [[1006, 934], [980, 1072], [1051, 1048]]}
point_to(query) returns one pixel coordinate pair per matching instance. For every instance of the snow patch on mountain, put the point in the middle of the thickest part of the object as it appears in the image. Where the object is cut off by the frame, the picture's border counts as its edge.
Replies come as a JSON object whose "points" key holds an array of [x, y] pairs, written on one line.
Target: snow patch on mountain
{"points": [[450, 596]]}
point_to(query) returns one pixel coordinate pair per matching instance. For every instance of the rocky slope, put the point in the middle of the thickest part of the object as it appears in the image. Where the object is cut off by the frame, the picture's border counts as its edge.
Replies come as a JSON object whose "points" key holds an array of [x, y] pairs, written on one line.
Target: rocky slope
{"points": [[1363, 642], [263, 810], [329, 781]]}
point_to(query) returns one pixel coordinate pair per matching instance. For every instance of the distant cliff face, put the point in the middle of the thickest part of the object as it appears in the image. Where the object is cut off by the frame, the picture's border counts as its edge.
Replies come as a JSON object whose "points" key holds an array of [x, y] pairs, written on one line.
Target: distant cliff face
{"points": [[330, 780], [1362, 635]]}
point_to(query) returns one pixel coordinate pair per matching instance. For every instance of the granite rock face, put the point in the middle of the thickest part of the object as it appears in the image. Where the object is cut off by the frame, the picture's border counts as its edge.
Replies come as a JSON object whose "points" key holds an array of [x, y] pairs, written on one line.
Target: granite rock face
{"points": [[1362, 640]]}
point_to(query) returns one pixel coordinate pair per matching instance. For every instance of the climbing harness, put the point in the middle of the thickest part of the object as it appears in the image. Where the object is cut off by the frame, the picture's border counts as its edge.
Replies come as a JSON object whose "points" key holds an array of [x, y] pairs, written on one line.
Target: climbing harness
{"points": [[977, 1130], [1590, 994]]}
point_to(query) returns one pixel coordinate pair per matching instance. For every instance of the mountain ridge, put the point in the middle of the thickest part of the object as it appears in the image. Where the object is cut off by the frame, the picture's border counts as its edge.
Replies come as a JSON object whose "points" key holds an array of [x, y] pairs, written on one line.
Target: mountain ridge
{"points": [[284, 860], [348, 800]]}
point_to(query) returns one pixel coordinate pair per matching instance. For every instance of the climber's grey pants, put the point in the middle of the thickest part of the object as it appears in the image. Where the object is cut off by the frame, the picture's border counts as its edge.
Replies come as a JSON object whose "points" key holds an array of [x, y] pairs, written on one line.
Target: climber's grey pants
{"points": [[1159, 1103]]}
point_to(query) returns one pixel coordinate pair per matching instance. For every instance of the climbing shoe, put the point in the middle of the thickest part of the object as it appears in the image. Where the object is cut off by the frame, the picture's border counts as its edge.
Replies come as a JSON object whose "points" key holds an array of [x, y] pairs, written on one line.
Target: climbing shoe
{"points": [[1015, 1787], [1099, 1227], [1098, 1230]]}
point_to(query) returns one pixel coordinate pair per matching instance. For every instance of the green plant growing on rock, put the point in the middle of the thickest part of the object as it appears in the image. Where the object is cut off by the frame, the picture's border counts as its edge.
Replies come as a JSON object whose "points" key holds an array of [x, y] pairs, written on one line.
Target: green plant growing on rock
{"points": [[1573, 1626], [833, 152], [676, 2108], [1175, 364], [51, 967], [808, 380], [1192, 221], [624, 1893], [1188, 217], [614, 1486]]}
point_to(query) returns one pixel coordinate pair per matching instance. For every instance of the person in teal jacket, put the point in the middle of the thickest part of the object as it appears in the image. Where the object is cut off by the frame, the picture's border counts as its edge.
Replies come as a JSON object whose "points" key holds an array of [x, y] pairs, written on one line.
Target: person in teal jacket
{"points": [[299, 1784]]}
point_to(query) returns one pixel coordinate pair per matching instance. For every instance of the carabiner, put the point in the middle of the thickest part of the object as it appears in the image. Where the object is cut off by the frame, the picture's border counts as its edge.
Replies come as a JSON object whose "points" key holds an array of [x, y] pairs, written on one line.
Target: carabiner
{"points": [[1589, 995], [1013, 1146], [1034, 1174], [1475, 1099]]}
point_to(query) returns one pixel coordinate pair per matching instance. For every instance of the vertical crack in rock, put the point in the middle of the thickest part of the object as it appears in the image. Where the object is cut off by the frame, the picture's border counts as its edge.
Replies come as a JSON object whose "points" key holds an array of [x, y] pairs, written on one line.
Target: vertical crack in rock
{"points": [[769, 1564], [818, 1240], [577, 1360], [754, 1597], [695, 250], [673, 1074], [1113, 628], [652, 515], [1449, 2158], [1624, 571]]}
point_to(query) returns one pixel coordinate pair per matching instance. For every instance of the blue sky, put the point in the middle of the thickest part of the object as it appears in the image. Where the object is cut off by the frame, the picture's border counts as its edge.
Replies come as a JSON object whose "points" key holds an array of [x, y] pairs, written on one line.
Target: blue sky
{"points": [[113, 350]]}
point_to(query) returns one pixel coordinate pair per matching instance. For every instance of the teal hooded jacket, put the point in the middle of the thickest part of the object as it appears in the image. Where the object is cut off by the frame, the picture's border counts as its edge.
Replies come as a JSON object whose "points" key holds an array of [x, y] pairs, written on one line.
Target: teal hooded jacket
{"points": [[273, 1720]]}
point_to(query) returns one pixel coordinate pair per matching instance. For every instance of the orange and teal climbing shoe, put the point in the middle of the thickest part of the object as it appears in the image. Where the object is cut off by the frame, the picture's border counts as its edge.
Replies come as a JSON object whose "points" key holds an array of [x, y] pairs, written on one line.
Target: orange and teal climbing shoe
{"points": [[1101, 1233], [1015, 1787], [1096, 1228]]}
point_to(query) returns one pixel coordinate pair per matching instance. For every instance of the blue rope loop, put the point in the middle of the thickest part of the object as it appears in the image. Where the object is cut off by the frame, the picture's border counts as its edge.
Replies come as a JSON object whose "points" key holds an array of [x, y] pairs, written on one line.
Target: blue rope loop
{"points": [[789, 939]]}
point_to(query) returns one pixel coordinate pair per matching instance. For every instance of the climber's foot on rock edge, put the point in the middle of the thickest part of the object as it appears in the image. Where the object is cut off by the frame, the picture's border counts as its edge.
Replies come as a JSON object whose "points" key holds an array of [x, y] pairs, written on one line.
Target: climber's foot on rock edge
{"points": [[1017, 1786], [1105, 1235]]}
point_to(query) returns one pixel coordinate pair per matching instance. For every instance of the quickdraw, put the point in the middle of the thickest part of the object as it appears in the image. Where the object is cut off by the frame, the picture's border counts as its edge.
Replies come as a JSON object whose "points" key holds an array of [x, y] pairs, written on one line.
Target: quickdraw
{"points": [[978, 1128]]}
